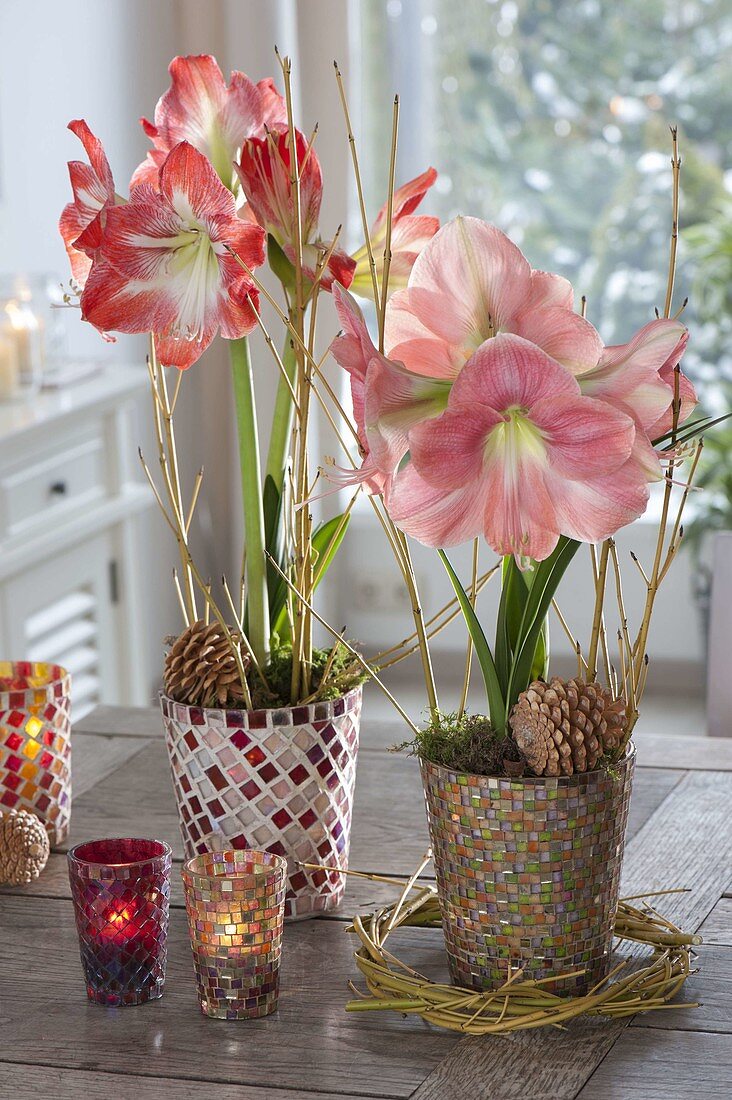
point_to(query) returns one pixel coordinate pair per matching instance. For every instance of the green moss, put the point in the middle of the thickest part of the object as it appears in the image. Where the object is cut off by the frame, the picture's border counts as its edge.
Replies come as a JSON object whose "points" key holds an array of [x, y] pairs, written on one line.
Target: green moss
{"points": [[466, 743], [343, 672]]}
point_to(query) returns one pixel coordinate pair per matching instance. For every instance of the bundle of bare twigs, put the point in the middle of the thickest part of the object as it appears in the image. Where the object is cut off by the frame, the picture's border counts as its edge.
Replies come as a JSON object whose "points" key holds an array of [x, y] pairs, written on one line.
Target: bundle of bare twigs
{"points": [[520, 1003]]}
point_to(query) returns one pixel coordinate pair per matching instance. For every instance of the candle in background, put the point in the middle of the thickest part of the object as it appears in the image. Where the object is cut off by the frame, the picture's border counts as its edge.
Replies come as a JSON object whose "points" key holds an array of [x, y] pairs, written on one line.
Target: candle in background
{"points": [[9, 370], [121, 894], [20, 324], [235, 901]]}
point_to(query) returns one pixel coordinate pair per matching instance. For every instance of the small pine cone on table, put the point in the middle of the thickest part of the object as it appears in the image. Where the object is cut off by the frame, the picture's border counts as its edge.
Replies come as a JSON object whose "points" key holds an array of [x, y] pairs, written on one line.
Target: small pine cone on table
{"points": [[565, 726], [201, 669], [24, 847]]}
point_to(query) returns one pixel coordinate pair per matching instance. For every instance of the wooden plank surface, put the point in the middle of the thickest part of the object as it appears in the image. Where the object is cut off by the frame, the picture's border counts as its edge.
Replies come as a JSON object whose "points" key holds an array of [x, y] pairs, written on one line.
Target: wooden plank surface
{"points": [[711, 986], [125, 721], [680, 833], [663, 1065], [34, 1082], [311, 1043], [95, 756], [717, 928]]}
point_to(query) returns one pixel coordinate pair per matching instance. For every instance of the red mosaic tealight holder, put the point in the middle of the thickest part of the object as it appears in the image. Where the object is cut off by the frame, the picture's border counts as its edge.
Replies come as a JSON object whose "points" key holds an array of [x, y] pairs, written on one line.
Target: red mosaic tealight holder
{"points": [[35, 743], [121, 894], [235, 902]]}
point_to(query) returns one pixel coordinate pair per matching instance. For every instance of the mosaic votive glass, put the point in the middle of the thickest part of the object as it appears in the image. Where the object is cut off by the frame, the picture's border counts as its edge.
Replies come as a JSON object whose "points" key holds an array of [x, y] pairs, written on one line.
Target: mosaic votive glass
{"points": [[278, 780], [35, 743], [235, 905], [121, 894], [528, 872]]}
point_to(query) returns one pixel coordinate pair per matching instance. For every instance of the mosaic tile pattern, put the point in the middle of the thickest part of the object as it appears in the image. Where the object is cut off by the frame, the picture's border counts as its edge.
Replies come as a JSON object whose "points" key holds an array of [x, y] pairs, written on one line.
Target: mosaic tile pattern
{"points": [[279, 781], [528, 871], [235, 904], [35, 743], [122, 917]]}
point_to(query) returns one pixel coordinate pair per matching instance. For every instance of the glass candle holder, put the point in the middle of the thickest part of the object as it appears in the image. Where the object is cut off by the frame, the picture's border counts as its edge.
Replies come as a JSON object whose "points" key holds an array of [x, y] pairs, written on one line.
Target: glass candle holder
{"points": [[35, 743], [121, 894], [235, 903]]}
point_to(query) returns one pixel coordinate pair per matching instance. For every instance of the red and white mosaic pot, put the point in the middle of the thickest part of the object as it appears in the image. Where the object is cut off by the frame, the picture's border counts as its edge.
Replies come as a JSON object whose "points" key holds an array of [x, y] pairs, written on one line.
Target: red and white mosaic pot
{"points": [[35, 743], [279, 781]]}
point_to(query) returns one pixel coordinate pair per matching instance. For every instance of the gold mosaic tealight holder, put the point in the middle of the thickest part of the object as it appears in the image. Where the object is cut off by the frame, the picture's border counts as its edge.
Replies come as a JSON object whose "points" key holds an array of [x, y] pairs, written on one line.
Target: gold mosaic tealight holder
{"points": [[35, 743], [235, 903]]}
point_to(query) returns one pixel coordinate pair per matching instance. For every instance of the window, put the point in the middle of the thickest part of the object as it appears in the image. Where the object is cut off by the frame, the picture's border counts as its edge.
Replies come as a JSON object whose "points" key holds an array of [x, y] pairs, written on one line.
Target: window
{"points": [[550, 118]]}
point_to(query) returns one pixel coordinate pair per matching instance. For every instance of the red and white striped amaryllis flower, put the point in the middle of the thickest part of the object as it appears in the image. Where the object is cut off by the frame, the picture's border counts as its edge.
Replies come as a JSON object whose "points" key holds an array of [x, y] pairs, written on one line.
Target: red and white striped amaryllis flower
{"points": [[213, 117], [410, 233], [164, 264], [265, 170], [82, 221], [496, 408]]}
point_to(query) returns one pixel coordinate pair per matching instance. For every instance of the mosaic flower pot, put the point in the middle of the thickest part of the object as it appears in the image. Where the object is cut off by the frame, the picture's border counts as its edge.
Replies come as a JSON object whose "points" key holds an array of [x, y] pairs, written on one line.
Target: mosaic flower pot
{"points": [[35, 743], [279, 781], [528, 872]]}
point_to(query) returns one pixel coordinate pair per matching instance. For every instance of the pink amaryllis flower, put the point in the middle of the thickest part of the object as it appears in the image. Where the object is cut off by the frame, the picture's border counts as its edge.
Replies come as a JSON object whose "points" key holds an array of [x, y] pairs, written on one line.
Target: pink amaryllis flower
{"points": [[410, 233], [265, 171], [164, 264], [387, 399], [215, 118], [520, 456], [638, 377], [471, 283], [82, 221]]}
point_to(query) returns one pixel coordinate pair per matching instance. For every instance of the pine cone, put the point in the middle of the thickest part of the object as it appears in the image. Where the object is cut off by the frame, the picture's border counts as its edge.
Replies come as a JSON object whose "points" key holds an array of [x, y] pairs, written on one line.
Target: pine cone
{"points": [[201, 670], [566, 726], [24, 847]]}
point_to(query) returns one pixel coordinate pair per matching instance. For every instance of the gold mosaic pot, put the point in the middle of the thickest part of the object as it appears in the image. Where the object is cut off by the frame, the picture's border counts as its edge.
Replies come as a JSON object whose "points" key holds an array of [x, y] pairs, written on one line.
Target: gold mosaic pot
{"points": [[528, 871], [280, 781]]}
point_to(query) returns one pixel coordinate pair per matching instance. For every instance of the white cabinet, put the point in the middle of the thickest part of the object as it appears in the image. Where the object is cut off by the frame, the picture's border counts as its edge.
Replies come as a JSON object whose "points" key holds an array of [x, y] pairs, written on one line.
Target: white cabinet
{"points": [[69, 557]]}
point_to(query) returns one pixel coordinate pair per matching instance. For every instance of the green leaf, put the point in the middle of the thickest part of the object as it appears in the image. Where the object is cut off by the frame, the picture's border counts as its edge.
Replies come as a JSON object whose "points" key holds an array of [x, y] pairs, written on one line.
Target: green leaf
{"points": [[274, 539], [514, 592], [496, 705], [544, 584], [326, 541], [279, 263]]}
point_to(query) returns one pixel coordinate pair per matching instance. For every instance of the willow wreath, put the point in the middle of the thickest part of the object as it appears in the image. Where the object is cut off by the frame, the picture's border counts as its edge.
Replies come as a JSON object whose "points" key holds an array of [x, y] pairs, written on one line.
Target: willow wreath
{"points": [[520, 1003]]}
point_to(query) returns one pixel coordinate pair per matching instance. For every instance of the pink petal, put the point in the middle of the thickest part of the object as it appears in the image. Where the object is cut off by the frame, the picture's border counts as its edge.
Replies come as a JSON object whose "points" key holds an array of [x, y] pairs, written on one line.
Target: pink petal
{"points": [[549, 290], [508, 371], [467, 282], [406, 199], [629, 375], [394, 401], [149, 171], [96, 154], [188, 110], [448, 451], [564, 335], [274, 108], [410, 340], [432, 516], [192, 187], [520, 515], [111, 301], [581, 433], [595, 509], [687, 396]]}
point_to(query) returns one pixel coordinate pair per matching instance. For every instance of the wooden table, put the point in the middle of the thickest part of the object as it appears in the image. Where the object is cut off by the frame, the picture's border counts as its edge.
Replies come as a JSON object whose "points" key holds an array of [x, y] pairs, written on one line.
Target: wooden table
{"points": [[54, 1043]]}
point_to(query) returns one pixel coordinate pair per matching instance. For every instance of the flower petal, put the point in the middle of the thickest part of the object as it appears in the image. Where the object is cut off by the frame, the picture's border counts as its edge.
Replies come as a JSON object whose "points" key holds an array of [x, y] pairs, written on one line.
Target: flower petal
{"points": [[564, 335], [548, 289], [508, 371], [432, 516], [465, 285], [581, 433]]}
